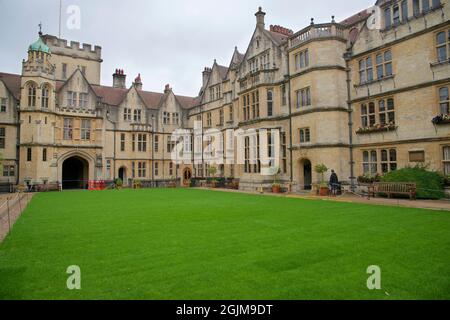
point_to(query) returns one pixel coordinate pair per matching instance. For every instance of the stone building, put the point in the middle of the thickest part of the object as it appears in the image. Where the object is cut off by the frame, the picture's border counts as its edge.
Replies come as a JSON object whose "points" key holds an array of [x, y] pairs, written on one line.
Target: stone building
{"points": [[363, 96]]}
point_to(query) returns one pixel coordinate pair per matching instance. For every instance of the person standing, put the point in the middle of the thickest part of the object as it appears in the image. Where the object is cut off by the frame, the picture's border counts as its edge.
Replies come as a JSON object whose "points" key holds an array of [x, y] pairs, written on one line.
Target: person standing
{"points": [[334, 183]]}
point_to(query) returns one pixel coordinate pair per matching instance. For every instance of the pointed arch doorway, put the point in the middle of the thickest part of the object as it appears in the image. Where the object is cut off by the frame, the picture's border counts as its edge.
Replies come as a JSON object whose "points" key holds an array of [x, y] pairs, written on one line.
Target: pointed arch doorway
{"points": [[75, 173], [306, 174]]}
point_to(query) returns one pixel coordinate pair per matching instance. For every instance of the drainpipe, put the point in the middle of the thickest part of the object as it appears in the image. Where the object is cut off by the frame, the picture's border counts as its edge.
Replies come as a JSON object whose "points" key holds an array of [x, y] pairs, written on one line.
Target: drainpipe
{"points": [[347, 57], [290, 122], [153, 148], [203, 160], [114, 142], [164, 154], [18, 146]]}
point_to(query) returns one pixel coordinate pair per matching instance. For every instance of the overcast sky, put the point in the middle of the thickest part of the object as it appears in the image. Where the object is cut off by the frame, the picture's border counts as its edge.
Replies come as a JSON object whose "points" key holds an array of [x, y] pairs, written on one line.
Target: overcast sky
{"points": [[167, 41]]}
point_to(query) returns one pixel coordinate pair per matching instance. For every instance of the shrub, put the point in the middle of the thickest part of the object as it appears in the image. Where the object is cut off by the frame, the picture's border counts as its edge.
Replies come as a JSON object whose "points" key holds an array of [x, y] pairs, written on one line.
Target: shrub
{"points": [[447, 181], [212, 171], [119, 182], [137, 184], [369, 178], [430, 184]]}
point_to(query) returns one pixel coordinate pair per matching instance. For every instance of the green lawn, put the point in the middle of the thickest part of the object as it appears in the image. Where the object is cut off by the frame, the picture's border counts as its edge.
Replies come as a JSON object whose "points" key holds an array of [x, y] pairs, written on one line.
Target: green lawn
{"points": [[194, 244]]}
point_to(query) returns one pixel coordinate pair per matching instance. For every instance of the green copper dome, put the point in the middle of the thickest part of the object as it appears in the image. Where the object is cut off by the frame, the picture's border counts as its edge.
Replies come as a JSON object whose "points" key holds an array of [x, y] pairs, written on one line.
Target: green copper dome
{"points": [[39, 46]]}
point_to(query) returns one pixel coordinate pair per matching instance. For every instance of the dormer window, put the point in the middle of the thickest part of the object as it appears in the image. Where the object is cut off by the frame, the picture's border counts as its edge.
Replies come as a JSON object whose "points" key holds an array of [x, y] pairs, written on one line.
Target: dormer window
{"points": [[3, 104], [218, 92], [176, 118], [253, 65], [215, 92], [166, 118], [71, 99], [137, 116], [127, 114], [265, 61], [83, 100]]}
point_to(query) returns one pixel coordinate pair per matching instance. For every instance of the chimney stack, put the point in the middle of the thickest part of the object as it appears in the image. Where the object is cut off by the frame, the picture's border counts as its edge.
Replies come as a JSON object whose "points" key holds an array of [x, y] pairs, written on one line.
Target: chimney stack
{"points": [[119, 79], [206, 74], [138, 82], [260, 18]]}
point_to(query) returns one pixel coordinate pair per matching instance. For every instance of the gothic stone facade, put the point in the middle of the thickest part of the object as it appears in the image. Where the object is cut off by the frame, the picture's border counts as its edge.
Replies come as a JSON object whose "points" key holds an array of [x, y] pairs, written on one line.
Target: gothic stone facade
{"points": [[359, 100]]}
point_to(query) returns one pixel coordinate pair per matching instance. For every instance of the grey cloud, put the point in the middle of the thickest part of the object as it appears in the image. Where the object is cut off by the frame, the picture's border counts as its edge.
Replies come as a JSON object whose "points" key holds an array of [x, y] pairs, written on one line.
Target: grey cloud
{"points": [[166, 41]]}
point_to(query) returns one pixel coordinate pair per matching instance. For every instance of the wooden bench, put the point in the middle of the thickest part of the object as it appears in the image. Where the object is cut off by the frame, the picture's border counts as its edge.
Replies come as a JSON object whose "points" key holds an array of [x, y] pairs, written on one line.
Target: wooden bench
{"points": [[392, 188]]}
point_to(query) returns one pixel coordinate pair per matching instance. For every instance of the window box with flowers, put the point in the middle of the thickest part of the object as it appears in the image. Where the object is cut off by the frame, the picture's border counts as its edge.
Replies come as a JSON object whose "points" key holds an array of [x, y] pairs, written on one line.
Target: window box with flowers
{"points": [[377, 128], [441, 119]]}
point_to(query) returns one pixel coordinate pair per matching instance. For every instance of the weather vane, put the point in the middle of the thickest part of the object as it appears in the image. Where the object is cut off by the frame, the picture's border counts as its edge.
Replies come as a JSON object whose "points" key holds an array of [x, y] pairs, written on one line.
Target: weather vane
{"points": [[40, 28]]}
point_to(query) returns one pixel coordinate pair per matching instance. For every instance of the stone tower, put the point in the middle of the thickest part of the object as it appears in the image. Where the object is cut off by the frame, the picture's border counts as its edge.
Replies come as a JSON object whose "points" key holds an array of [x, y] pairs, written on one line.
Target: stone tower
{"points": [[36, 114]]}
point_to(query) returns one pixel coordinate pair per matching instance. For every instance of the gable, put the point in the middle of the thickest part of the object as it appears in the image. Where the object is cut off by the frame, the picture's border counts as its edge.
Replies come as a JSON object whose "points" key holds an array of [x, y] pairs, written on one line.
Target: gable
{"points": [[12, 83], [217, 75], [170, 103], [366, 39], [133, 99], [77, 83], [260, 44]]}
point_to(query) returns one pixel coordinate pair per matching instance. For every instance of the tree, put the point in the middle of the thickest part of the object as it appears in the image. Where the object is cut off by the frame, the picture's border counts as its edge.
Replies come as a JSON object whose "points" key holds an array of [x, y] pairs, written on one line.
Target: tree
{"points": [[321, 169], [212, 171]]}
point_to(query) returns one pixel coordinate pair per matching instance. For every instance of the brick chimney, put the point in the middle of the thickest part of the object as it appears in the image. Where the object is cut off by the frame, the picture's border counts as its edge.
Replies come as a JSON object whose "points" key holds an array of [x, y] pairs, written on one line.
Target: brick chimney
{"points": [[119, 79], [281, 30]]}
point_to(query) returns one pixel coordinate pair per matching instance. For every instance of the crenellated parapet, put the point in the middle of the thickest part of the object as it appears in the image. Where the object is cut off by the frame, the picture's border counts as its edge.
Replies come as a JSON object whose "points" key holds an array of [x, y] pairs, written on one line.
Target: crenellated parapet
{"points": [[73, 48]]}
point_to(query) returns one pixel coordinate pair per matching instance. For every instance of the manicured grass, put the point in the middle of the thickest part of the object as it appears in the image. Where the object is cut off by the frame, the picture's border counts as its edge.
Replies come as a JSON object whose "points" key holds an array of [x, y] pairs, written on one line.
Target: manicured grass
{"points": [[194, 244]]}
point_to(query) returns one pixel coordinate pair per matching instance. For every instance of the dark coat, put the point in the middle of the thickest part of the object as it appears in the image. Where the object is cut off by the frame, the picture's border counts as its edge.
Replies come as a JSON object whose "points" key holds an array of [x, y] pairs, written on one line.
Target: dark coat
{"points": [[334, 178]]}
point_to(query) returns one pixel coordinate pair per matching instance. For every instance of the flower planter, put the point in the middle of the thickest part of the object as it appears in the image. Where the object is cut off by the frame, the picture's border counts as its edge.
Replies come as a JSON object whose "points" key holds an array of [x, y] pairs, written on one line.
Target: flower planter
{"points": [[323, 191], [213, 184], [276, 189], [441, 119], [375, 129]]}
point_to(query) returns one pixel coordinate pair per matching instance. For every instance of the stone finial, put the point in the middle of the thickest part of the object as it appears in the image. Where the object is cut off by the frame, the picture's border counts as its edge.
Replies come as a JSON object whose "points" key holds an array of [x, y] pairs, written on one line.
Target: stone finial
{"points": [[312, 21], [138, 79], [260, 17]]}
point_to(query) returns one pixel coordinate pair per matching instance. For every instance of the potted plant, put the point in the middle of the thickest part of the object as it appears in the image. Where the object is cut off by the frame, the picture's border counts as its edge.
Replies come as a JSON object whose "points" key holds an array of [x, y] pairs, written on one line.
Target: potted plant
{"points": [[276, 186], [137, 184], [323, 187], [119, 183], [212, 172], [172, 182]]}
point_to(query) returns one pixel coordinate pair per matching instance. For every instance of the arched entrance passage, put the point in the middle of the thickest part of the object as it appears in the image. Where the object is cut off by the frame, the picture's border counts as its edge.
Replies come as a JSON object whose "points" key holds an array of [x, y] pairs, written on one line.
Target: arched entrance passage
{"points": [[187, 175], [306, 174], [123, 174], [75, 173]]}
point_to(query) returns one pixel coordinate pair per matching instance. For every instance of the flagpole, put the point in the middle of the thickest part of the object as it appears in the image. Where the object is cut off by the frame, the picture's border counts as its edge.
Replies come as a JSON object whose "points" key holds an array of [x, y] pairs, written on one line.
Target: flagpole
{"points": [[60, 14]]}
